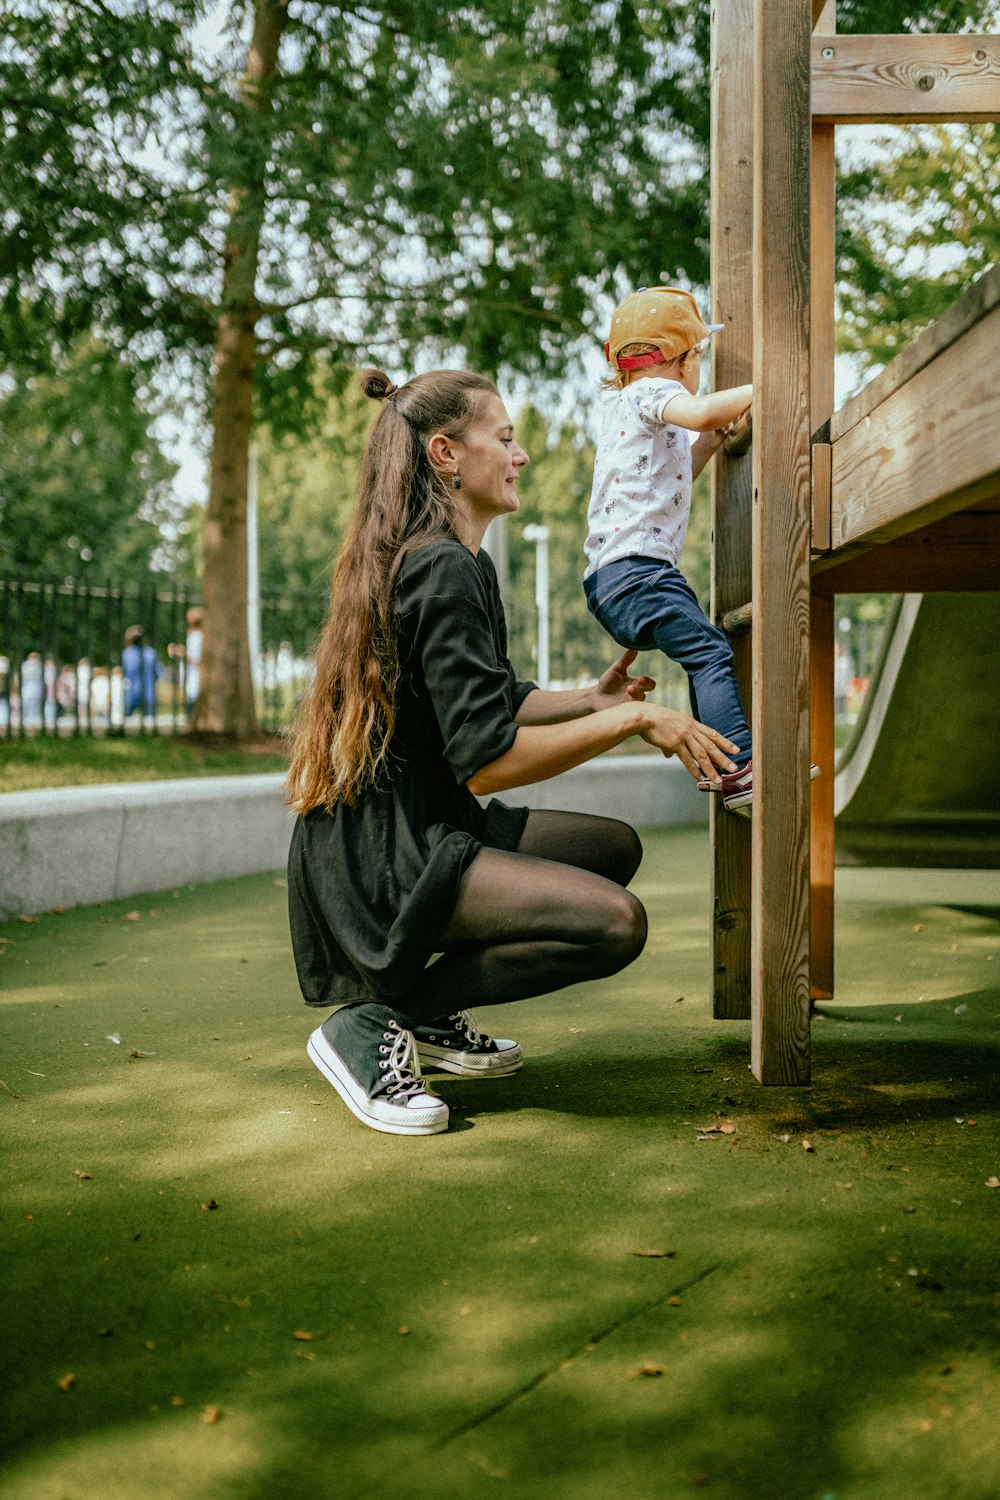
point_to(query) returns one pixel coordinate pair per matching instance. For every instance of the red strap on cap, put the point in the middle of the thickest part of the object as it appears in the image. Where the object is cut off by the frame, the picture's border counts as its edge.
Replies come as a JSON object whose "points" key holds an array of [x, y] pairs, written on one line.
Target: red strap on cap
{"points": [[641, 361]]}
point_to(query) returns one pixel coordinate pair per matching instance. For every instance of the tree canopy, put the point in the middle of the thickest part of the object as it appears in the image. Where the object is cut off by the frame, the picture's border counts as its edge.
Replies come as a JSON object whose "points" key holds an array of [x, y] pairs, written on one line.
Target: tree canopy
{"points": [[244, 212]]}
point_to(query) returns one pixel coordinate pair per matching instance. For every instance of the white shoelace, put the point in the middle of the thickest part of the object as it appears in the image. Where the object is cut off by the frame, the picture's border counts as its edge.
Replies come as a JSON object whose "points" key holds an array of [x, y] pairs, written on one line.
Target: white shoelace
{"points": [[466, 1022], [403, 1065]]}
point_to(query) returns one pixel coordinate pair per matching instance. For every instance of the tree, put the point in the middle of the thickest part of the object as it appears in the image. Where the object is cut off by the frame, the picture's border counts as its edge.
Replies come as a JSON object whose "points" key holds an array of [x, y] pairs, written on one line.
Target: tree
{"points": [[395, 180], [384, 179], [306, 491], [917, 226], [84, 487]]}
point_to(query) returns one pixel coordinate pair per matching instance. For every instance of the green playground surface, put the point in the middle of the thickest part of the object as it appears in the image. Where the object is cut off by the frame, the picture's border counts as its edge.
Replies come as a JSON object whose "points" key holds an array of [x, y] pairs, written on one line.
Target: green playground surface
{"points": [[629, 1271]]}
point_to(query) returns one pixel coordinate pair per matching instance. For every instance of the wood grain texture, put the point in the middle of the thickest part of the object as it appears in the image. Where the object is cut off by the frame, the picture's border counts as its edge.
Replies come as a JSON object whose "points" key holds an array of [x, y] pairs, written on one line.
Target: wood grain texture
{"points": [[958, 554], [898, 79], [821, 847], [932, 446], [964, 313], [732, 282], [781, 526]]}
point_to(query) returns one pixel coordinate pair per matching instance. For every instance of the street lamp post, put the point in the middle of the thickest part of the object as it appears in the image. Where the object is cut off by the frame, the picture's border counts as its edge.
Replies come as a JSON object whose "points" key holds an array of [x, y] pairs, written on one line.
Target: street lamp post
{"points": [[540, 536]]}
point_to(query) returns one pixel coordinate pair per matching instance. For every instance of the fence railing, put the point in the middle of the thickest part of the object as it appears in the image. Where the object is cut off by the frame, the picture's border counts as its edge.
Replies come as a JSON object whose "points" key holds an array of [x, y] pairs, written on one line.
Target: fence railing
{"points": [[65, 667], [123, 657]]}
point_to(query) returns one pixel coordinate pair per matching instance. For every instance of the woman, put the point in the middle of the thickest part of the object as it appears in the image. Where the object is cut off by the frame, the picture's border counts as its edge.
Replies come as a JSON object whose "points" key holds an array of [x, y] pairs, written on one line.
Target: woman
{"points": [[414, 712]]}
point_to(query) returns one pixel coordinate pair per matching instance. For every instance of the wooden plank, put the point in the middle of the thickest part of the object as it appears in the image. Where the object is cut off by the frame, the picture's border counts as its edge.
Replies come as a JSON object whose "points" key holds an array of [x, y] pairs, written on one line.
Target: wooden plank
{"points": [[959, 554], [931, 447], [821, 847], [964, 313], [822, 460], [897, 79], [823, 234], [731, 272], [780, 453]]}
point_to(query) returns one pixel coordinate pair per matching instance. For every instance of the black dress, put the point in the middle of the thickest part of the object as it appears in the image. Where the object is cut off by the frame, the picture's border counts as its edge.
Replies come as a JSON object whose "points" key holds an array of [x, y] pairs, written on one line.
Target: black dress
{"points": [[372, 887]]}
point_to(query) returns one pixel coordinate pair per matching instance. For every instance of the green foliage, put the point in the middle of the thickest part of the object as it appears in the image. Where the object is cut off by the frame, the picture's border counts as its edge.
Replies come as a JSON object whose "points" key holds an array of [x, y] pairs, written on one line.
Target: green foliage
{"points": [[917, 226], [306, 491], [83, 484]]}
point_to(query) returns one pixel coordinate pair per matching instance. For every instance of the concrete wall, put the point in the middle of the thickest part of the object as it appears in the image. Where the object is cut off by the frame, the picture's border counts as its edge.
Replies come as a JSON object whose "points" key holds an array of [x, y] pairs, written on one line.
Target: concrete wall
{"points": [[78, 845]]}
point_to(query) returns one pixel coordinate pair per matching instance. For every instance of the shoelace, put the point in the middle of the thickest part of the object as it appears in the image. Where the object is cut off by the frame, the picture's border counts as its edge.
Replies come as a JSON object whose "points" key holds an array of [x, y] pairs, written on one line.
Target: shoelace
{"points": [[402, 1064], [465, 1022]]}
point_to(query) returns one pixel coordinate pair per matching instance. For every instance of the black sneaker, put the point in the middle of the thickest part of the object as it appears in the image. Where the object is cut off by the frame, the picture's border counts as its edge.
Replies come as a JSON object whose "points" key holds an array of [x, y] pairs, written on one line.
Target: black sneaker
{"points": [[372, 1063], [454, 1044]]}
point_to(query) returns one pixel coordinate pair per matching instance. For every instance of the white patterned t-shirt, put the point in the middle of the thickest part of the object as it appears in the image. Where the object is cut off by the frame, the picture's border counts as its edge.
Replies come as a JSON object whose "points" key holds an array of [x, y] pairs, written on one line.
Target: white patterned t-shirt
{"points": [[641, 498]]}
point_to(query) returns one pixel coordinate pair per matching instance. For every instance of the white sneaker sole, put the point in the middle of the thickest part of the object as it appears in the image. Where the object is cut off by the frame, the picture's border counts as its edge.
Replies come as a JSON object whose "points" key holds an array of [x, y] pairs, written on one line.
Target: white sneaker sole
{"points": [[471, 1064], [392, 1119]]}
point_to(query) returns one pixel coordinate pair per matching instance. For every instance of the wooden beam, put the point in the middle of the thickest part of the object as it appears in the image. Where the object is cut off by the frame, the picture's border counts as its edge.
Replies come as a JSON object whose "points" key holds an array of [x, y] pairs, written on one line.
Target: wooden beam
{"points": [[821, 846], [931, 447], [732, 352], [860, 80], [823, 273], [963, 314], [959, 554], [781, 504]]}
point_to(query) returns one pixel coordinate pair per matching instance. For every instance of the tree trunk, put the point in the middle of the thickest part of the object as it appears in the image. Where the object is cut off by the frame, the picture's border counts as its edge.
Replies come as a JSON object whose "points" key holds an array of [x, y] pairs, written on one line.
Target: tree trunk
{"points": [[225, 703]]}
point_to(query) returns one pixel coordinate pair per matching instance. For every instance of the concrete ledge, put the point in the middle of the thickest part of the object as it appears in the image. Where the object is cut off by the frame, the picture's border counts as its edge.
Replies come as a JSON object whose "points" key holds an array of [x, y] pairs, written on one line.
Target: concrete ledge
{"points": [[75, 846]]}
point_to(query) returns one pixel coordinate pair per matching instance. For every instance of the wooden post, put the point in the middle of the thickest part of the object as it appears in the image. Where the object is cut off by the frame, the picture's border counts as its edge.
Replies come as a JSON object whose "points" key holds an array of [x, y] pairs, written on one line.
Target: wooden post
{"points": [[732, 350], [781, 515], [821, 655]]}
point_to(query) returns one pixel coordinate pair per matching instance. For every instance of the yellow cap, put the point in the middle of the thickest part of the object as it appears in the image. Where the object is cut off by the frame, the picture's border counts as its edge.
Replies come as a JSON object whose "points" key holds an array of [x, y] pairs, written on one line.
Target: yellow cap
{"points": [[663, 316]]}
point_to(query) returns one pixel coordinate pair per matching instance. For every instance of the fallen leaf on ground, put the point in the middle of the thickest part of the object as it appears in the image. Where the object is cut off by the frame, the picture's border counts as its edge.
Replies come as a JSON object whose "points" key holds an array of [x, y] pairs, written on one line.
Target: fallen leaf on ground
{"points": [[210, 1205], [654, 1254], [130, 916], [919, 926], [78, 1173], [993, 1182], [303, 1336], [646, 1370], [673, 1302], [211, 1415], [136, 1053], [29, 919], [67, 1382], [404, 1330], [725, 1127]]}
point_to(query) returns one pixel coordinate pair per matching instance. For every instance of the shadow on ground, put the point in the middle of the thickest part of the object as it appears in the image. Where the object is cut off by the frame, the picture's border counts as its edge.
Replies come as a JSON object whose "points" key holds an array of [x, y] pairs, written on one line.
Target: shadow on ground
{"points": [[627, 1270]]}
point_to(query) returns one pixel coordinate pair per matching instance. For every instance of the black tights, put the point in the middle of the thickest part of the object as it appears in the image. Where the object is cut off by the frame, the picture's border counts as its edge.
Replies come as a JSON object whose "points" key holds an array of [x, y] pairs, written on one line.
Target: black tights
{"points": [[552, 913]]}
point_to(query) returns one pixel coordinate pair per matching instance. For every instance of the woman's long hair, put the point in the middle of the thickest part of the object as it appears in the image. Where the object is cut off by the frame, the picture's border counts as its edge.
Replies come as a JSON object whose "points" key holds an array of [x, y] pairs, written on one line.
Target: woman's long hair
{"points": [[343, 730]]}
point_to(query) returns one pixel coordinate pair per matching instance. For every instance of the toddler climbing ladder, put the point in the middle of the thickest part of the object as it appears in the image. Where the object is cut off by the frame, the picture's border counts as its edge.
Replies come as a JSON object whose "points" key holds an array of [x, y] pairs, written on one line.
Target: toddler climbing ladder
{"points": [[873, 497]]}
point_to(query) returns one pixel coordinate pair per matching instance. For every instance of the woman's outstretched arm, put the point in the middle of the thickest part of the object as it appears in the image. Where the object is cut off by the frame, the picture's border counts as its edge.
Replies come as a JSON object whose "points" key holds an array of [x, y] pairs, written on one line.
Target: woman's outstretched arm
{"points": [[543, 750]]}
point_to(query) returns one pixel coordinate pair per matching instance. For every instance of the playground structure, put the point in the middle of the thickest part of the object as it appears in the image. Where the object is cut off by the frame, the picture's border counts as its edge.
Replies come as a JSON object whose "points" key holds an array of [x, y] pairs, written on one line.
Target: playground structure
{"points": [[898, 491]]}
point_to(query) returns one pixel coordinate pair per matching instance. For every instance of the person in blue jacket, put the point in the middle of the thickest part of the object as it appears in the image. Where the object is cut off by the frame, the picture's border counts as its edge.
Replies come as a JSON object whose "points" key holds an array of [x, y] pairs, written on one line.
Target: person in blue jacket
{"points": [[141, 671]]}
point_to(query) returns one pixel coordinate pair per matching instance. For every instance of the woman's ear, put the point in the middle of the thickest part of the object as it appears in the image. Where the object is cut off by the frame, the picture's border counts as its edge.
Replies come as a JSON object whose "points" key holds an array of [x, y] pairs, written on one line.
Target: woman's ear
{"points": [[443, 452]]}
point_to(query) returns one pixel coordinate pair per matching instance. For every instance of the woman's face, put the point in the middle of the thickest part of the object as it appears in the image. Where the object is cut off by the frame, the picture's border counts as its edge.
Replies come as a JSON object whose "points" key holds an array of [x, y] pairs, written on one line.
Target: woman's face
{"points": [[488, 460]]}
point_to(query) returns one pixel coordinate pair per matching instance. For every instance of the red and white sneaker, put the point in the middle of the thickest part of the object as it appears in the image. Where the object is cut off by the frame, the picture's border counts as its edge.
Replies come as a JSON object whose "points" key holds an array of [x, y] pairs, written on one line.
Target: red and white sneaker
{"points": [[736, 789]]}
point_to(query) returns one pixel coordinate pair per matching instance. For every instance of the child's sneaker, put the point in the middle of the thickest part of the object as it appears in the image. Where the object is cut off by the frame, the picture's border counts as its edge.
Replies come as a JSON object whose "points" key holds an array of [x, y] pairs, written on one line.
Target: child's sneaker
{"points": [[736, 789], [454, 1044], [372, 1063]]}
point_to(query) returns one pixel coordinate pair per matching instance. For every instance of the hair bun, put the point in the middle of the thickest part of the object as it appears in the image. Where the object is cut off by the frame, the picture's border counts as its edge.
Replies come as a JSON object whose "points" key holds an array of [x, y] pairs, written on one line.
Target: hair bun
{"points": [[377, 385]]}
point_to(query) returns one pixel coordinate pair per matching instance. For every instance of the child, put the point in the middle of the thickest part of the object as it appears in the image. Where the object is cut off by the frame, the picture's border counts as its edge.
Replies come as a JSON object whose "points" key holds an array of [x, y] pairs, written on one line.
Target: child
{"points": [[641, 500]]}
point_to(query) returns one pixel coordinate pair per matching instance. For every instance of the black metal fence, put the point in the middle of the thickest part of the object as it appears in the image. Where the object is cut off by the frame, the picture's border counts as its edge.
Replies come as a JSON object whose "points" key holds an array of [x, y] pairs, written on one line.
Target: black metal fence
{"points": [[123, 657]]}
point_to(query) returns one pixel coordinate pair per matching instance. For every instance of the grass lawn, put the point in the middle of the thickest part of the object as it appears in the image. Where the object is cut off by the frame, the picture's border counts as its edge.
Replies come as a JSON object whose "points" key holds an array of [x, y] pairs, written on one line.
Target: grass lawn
{"points": [[628, 1271], [44, 761]]}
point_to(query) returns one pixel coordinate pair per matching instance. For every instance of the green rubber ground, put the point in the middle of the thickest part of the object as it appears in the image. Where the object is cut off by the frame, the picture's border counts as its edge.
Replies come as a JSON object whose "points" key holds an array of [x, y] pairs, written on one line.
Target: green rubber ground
{"points": [[219, 1285]]}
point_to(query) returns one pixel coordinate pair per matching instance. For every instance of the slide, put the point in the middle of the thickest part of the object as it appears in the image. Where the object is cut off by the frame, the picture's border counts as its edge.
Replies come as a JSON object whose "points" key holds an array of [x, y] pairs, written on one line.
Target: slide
{"points": [[918, 783]]}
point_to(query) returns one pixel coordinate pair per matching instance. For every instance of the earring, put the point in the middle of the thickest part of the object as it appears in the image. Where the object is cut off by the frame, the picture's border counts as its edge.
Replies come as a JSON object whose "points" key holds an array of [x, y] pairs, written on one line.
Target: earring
{"points": [[456, 481]]}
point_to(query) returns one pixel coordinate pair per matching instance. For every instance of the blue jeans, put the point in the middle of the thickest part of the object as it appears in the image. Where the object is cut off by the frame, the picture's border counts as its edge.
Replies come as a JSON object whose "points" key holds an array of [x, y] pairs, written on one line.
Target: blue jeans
{"points": [[644, 603]]}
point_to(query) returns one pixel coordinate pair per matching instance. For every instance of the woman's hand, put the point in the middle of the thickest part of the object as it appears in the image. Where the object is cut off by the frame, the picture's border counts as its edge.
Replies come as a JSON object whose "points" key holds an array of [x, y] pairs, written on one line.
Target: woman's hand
{"points": [[703, 752], [616, 686]]}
